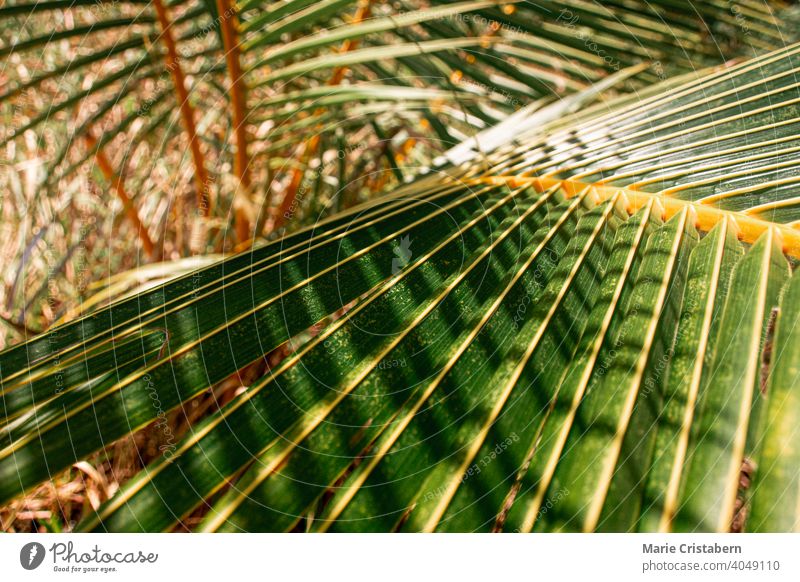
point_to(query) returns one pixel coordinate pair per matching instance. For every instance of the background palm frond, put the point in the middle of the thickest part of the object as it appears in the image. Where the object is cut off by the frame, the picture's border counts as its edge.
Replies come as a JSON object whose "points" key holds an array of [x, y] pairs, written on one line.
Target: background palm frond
{"points": [[589, 326], [383, 86]]}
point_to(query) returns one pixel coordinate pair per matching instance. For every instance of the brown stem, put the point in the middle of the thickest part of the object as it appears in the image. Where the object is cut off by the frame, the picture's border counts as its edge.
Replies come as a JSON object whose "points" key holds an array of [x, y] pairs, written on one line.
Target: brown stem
{"points": [[238, 94], [230, 40], [313, 143], [187, 112], [117, 183]]}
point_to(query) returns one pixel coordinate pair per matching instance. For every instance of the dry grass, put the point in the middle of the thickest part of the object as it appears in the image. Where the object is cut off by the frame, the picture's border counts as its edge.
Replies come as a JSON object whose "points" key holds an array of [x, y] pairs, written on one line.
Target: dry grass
{"points": [[61, 503]]}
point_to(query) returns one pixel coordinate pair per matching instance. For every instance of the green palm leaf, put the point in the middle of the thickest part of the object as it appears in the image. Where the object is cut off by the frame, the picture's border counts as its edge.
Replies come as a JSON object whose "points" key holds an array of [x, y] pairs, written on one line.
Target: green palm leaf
{"points": [[560, 332]]}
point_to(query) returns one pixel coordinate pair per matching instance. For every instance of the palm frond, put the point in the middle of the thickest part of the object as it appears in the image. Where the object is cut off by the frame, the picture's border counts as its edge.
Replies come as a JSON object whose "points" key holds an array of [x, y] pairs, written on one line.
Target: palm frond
{"points": [[587, 327]]}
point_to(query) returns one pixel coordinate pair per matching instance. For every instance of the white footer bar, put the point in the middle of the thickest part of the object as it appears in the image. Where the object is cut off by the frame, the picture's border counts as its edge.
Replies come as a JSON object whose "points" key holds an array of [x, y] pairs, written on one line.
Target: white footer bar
{"points": [[406, 558]]}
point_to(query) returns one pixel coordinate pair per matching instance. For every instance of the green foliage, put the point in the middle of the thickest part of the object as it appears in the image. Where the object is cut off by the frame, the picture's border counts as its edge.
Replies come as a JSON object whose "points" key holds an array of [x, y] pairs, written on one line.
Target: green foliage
{"points": [[474, 350]]}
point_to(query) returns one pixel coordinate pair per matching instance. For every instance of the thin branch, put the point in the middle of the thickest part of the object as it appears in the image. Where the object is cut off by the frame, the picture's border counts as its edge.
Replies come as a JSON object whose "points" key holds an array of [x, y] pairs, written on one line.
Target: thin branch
{"points": [[201, 177], [117, 183], [238, 95], [313, 143]]}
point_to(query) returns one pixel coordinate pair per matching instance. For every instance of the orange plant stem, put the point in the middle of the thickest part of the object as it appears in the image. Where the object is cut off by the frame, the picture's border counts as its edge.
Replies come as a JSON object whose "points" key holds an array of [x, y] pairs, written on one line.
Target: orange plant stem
{"points": [[116, 182], [313, 143], [187, 113], [238, 93], [230, 40]]}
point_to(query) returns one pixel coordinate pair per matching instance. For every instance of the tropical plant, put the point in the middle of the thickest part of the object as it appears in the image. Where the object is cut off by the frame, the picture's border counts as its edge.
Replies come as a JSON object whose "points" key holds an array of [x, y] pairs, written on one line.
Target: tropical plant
{"points": [[195, 125], [582, 317]]}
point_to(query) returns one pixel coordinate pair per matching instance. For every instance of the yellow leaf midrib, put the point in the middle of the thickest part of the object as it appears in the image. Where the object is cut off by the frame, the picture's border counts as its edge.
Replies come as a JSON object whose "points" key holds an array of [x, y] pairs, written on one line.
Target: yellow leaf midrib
{"points": [[747, 228]]}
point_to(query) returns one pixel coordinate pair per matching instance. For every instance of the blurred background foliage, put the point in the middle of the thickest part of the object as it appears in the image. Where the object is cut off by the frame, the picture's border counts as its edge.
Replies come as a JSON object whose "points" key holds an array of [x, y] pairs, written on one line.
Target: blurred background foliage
{"points": [[142, 140], [138, 132]]}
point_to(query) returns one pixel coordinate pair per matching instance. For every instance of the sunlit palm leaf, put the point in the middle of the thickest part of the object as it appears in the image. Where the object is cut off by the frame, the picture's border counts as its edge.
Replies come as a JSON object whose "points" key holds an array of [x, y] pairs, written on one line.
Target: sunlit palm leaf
{"points": [[490, 58], [529, 341]]}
